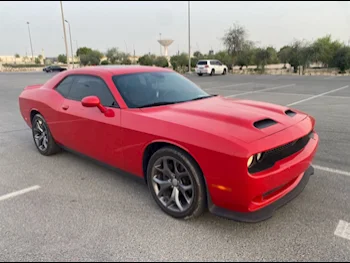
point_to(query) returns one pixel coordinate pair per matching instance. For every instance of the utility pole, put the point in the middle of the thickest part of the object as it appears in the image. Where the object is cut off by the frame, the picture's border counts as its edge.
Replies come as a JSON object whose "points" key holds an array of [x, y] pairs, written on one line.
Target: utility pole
{"points": [[71, 46], [64, 32], [30, 39], [189, 38]]}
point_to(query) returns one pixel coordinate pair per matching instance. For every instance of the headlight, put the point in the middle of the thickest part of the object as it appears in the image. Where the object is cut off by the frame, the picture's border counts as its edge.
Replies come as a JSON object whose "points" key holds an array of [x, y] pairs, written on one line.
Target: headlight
{"points": [[258, 156], [250, 161]]}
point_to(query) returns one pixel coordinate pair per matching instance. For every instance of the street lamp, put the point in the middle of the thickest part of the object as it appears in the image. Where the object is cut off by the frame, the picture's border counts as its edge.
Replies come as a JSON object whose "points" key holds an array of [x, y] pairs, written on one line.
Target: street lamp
{"points": [[30, 39], [71, 46], [64, 32], [189, 38]]}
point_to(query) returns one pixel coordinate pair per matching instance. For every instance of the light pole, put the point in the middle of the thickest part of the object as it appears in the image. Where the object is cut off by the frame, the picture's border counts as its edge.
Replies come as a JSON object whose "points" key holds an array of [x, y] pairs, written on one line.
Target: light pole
{"points": [[64, 32], [30, 39], [71, 46], [189, 38]]}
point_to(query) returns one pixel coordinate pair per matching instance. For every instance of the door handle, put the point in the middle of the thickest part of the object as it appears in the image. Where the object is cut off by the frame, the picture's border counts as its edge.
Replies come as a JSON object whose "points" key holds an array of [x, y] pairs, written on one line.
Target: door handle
{"points": [[65, 107]]}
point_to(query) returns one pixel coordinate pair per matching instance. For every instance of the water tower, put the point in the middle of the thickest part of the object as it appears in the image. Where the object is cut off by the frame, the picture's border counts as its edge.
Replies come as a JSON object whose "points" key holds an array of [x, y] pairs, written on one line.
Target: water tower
{"points": [[165, 43]]}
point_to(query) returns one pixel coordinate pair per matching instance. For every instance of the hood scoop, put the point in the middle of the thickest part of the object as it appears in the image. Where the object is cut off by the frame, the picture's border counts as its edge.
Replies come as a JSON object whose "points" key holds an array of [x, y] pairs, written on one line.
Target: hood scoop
{"points": [[290, 113], [264, 123]]}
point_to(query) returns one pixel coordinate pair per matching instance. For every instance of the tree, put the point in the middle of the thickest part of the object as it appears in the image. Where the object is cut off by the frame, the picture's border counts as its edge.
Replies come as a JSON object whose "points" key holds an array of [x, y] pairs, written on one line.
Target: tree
{"points": [[161, 62], [234, 39], [114, 56], [179, 61], [342, 59], [301, 54], [284, 55], [83, 51], [40, 57], [324, 49], [273, 58], [17, 55], [197, 54], [62, 58], [37, 61], [104, 62], [194, 62], [225, 58], [146, 60], [126, 61], [262, 57], [91, 58]]}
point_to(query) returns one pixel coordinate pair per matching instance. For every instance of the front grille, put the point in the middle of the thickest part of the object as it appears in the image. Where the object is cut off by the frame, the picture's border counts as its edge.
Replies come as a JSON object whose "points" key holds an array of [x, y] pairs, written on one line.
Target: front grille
{"points": [[272, 156]]}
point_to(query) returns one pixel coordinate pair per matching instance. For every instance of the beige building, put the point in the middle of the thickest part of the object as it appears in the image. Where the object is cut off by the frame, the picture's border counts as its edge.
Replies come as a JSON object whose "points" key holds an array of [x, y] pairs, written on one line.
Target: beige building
{"points": [[19, 60]]}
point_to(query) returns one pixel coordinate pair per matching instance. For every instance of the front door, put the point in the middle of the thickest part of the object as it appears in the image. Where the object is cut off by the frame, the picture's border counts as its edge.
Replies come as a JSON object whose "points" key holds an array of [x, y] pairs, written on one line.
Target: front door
{"points": [[88, 130]]}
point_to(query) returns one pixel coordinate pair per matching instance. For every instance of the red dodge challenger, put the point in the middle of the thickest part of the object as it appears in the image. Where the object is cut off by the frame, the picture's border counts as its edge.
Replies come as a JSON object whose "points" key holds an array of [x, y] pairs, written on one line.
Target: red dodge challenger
{"points": [[240, 159]]}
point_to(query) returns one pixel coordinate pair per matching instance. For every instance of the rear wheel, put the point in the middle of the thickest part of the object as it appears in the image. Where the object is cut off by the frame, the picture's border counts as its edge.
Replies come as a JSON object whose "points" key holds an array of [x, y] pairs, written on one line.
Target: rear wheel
{"points": [[43, 139], [212, 72], [224, 72], [199, 74], [176, 183]]}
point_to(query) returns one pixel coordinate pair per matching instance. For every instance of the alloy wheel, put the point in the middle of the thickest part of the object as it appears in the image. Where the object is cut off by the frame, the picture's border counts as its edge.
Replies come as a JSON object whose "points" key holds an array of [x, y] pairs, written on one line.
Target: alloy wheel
{"points": [[172, 184], [41, 135]]}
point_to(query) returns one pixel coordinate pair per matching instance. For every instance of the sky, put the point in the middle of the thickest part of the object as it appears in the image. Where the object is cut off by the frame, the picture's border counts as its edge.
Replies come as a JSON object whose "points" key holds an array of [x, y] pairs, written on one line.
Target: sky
{"points": [[136, 25]]}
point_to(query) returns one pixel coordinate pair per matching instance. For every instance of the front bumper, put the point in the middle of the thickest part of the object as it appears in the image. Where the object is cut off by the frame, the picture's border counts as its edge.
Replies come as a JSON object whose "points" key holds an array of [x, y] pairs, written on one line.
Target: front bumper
{"points": [[267, 211]]}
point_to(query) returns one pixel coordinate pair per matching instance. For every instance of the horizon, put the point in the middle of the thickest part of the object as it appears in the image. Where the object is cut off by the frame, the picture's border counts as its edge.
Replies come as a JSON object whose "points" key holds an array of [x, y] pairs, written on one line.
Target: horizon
{"points": [[92, 24]]}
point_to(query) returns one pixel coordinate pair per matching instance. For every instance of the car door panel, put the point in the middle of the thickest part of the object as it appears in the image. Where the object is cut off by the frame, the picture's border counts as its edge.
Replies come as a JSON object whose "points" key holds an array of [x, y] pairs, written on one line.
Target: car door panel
{"points": [[93, 134], [88, 130]]}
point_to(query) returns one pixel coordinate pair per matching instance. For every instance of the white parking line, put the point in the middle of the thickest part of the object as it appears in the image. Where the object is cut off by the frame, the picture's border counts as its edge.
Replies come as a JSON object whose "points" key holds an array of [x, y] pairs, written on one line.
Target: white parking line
{"points": [[343, 230], [261, 90], [331, 170], [316, 96], [21, 192], [232, 85]]}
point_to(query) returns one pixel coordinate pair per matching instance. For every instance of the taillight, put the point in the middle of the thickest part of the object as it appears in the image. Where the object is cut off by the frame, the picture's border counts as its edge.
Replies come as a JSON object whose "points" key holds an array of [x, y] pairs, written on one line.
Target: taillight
{"points": [[206, 66]]}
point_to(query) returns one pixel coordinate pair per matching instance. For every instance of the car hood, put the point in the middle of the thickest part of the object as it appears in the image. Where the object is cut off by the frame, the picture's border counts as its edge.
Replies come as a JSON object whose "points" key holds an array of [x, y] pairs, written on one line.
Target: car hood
{"points": [[245, 120]]}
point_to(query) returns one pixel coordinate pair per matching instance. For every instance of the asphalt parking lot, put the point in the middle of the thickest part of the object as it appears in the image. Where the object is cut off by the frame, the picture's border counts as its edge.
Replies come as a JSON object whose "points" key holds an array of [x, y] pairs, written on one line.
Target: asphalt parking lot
{"points": [[73, 210]]}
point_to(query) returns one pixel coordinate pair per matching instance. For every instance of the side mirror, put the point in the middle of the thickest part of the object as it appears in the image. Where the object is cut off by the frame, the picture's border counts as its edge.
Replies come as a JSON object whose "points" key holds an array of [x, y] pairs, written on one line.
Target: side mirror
{"points": [[94, 101], [91, 101]]}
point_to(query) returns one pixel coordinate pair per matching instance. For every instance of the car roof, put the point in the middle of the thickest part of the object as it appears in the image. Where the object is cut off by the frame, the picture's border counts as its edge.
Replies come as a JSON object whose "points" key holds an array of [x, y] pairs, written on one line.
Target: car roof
{"points": [[118, 69]]}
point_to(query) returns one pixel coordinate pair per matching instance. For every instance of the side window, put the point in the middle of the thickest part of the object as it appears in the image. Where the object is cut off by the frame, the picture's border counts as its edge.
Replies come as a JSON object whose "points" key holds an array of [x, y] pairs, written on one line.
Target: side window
{"points": [[219, 63], [213, 62], [91, 86], [64, 87]]}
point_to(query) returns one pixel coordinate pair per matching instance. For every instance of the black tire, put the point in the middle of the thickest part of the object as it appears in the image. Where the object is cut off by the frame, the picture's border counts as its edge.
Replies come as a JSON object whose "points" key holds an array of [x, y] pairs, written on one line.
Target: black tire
{"points": [[198, 205], [212, 72], [52, 147], [224, 72], [200, 74]]}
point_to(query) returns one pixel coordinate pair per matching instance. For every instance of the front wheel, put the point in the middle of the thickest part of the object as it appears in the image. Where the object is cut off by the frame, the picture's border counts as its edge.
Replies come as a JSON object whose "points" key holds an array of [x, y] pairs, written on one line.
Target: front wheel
{"points": [[176, 183], [43, 139]]}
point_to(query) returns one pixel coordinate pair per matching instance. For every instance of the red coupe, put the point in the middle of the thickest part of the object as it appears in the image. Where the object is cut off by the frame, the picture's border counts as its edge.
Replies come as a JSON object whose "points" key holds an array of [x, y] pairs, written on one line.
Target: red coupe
{"points": [[240, 159]]}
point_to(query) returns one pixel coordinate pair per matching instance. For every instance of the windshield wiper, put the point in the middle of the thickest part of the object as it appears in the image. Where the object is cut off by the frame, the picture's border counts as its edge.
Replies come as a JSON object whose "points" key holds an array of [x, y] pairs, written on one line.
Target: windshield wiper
{"points": [[160, 103], [203, 97]]}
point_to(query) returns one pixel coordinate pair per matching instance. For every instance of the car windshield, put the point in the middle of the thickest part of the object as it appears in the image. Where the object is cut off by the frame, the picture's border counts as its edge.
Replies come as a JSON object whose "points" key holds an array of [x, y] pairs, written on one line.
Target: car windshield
{"points": [[156, 88]]}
